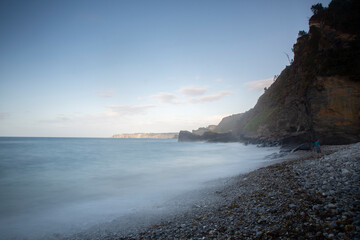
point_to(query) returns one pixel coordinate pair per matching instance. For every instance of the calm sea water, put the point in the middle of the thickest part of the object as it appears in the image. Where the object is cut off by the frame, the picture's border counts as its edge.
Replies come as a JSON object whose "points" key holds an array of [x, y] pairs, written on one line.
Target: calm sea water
{"points": [[51, 185]]}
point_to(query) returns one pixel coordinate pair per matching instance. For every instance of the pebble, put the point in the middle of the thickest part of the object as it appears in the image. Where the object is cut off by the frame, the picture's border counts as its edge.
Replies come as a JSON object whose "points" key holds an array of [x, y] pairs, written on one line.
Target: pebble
{"points": [[292, 205]]}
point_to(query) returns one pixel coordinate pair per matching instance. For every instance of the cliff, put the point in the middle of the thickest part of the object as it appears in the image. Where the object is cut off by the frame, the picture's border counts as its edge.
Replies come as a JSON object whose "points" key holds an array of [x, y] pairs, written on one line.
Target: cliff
{"points": [[200, 131], [318, 95], [147, 135]]}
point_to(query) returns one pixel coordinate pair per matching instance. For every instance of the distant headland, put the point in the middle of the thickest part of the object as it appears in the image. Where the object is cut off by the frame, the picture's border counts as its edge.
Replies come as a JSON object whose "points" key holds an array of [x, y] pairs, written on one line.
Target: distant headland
{"points": [[147, 135]]}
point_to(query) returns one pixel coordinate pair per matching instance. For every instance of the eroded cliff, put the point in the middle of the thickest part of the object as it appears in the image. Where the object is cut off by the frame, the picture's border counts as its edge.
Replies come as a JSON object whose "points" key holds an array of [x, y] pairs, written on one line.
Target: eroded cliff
{"points": [[318, 95]]}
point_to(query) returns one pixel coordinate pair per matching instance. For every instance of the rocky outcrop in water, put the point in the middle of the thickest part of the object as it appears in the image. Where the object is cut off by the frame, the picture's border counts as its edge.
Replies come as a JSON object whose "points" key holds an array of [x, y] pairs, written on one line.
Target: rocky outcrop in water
{"points": [[208, 136]]}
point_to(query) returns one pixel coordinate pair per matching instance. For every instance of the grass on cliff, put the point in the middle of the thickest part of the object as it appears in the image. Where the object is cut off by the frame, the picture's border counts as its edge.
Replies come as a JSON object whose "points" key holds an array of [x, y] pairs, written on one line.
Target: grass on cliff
{"points": [[260, 118]]}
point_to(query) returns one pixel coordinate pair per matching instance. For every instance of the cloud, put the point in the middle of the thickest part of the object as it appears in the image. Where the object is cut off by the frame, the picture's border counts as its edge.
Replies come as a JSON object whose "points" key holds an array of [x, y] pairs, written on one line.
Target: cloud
{"points": [[166, 98], [4, 116], [115, 110], [192, 91], [59, 119], [106, 93], [191, 94], [219, 80], [259, 84], [62, 118], [210, 98]]}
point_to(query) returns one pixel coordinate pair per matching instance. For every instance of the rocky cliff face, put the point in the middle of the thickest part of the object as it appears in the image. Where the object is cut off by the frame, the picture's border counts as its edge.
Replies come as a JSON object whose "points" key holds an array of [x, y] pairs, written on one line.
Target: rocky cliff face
{"points": [[200, 131], [318, 95], [229, 123]]}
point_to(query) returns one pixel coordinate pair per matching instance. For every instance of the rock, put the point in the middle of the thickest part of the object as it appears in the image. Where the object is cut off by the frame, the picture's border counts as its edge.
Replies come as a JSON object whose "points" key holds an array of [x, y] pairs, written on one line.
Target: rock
{"points": [[330, 205], [209, 136], [292, 205], [186, 136]]}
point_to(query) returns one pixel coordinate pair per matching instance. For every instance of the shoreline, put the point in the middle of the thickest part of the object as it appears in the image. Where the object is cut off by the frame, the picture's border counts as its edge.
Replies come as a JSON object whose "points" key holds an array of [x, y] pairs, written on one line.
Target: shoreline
{"points": [[294, 197]]}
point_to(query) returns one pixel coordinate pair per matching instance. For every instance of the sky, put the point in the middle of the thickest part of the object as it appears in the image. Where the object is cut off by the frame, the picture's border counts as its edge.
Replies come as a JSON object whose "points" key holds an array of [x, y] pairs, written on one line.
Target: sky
{"points": [[98, 68]]}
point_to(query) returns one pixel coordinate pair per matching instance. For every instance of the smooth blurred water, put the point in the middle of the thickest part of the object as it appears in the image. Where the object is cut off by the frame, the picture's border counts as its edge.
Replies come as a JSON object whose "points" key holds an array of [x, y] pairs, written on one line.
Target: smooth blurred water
{"points": [[55, 185]]}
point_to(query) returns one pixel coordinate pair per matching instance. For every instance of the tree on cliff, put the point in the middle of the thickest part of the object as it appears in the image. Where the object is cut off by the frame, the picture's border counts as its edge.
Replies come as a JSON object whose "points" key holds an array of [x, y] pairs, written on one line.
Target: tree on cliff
{"points": [[317, 8], [302, 33]]}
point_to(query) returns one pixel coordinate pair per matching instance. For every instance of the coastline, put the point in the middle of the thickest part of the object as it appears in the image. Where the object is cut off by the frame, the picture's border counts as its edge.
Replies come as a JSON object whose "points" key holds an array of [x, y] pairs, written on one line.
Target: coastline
{"points": [[296, 197]]}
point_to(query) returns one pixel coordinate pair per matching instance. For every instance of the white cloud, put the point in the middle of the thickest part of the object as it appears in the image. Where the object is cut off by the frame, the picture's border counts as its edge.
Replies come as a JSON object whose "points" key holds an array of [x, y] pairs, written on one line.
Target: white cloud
{"points": [[59, 121], [166, 98], [115, 110], [106, 93], [259, 84], [219, 80], [3, 116], [192, 91], [211, 97], [191, 95]]}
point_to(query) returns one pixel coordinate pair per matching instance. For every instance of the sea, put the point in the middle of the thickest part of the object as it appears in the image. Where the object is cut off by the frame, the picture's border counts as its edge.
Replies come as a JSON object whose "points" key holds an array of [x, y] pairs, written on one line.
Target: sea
{"points": [[52, 186]]}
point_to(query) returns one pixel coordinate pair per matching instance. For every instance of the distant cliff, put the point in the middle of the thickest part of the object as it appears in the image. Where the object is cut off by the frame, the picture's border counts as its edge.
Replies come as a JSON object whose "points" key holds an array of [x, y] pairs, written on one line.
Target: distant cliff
{"points": [[318, 95], [146, 135]]}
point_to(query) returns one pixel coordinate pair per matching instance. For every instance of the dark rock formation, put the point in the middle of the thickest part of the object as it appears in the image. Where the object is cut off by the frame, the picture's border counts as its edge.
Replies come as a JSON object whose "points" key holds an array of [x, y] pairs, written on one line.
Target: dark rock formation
{"points": [[202, 130], [209, 136], [186, 136], [318, 95]]}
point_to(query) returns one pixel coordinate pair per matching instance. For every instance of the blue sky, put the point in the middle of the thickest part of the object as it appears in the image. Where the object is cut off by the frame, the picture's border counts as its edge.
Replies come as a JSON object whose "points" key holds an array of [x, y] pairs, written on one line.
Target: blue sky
{"points": [[97, 68]]}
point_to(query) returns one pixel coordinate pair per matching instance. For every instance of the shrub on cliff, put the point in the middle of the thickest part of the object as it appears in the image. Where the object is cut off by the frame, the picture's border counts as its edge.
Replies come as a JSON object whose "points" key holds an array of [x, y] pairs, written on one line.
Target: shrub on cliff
{"points": [[302, 33], [317, 8]]}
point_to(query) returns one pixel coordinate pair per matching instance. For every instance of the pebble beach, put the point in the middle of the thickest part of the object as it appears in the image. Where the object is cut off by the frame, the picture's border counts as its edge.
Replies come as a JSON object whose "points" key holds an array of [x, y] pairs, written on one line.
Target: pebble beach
{"points": [[298, 197]]}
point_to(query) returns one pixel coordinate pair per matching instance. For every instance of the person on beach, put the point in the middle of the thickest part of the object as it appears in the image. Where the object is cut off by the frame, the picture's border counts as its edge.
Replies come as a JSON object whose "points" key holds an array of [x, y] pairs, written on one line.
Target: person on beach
{"points": [[317, 148]]}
